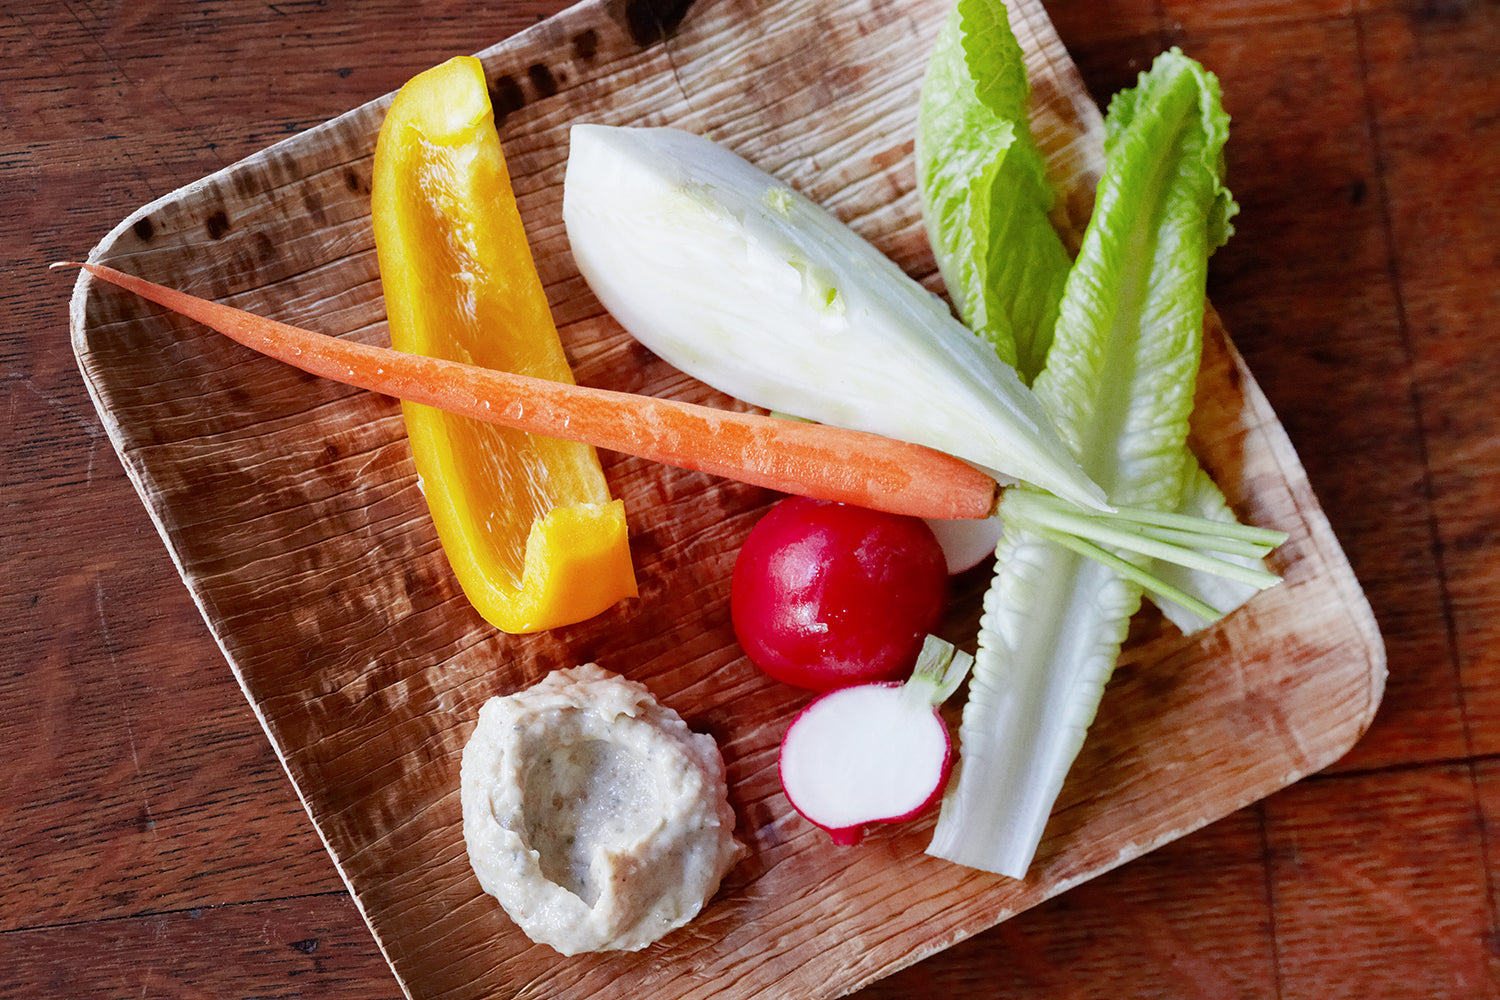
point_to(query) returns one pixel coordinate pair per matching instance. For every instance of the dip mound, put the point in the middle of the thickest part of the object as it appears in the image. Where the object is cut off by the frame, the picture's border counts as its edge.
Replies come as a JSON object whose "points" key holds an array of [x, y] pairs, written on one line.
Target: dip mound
{"points": [[593, 814]]}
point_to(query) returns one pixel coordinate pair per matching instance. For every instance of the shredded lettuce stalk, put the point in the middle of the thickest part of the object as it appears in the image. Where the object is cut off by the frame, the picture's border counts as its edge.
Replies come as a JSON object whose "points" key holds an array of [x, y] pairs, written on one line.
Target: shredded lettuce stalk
{"points": [[738, 280], [1177, 539], [1119, 381]]}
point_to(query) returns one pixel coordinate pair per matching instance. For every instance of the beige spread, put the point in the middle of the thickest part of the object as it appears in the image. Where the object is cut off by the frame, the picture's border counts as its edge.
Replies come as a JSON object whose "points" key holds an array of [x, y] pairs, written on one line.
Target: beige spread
{"points": [[593, 814]]}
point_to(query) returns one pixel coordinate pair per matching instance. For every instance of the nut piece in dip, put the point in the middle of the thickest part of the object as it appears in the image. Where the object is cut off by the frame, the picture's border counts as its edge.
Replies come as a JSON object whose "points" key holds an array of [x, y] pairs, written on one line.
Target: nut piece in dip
{"points": [[593, 814]]}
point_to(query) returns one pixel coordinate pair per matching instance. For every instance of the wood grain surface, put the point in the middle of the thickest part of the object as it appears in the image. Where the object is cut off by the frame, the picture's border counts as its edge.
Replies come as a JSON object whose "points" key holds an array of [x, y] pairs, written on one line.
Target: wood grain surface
{"points": [[154, 845]]}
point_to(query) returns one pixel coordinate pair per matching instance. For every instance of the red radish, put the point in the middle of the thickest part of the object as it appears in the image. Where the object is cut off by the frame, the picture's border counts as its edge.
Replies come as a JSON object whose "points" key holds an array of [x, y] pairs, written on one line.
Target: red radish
{"points": [[826, 595], [873, 753]]}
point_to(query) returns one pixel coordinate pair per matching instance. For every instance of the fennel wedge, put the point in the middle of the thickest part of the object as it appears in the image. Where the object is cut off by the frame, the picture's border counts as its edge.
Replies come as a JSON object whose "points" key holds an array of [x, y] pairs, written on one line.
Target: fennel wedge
{"points": [[747, 285], [1119, 382]]}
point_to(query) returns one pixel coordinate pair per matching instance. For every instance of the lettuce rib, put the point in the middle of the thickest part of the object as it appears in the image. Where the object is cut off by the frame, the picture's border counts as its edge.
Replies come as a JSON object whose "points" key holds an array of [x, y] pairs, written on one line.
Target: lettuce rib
{"points": [[1202, 497], [1119, 383]]}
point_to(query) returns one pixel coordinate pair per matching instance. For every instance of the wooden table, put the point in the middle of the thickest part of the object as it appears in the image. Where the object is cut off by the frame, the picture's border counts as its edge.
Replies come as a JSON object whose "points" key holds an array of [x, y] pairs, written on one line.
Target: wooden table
{"points": [[151, 843]]}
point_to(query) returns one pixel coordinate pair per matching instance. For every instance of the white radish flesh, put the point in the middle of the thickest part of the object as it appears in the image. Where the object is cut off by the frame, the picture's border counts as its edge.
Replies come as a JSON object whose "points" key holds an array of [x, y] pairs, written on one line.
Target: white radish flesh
{"points": [[873, 753]]}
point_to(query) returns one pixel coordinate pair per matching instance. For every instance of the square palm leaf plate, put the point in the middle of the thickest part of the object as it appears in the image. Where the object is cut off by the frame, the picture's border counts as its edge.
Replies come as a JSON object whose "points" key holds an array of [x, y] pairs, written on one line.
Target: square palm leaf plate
{"points": [[292, 509]]}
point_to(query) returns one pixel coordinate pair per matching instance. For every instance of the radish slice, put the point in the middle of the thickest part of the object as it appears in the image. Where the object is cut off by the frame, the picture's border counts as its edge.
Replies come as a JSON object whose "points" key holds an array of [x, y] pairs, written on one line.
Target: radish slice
{"points": [[864, 754], [873, 753]]}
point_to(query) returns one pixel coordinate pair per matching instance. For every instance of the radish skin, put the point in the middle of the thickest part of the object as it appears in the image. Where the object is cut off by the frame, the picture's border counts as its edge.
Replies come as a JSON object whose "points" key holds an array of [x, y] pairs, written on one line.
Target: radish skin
{"points": [[828, 595]]}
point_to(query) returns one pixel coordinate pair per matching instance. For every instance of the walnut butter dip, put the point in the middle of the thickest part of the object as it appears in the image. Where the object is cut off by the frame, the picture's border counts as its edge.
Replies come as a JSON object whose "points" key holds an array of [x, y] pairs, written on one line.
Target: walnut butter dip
{"points": [[593, 814]]}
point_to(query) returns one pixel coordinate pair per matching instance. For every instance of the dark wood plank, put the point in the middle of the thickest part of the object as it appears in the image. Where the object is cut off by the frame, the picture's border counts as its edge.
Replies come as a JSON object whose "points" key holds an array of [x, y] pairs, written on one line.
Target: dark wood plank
{"points": [[1434, 96], [1135, 932], [302, 947], [1379, 886]]}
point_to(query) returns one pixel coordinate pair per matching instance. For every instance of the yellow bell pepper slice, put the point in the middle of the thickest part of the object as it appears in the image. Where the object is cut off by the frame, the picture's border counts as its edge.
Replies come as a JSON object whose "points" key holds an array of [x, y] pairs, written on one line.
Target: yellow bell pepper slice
{"points": [[526, 522]]}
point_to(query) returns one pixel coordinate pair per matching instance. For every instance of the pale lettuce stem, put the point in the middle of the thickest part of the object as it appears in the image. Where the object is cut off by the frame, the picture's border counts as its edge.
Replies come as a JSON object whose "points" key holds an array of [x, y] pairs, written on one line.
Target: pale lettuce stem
{"points": [[1136, 535]]}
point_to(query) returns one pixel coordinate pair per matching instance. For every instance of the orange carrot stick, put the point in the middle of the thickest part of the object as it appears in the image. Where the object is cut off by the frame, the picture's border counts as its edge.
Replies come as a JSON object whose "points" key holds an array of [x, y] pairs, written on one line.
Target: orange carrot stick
{"points": [[814, 460]]}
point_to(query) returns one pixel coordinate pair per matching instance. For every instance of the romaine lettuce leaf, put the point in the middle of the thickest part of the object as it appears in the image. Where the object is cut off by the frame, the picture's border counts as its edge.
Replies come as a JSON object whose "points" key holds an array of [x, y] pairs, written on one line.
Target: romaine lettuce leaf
{"points": [[1123, 370], [984, 187], [1119, 382]]}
